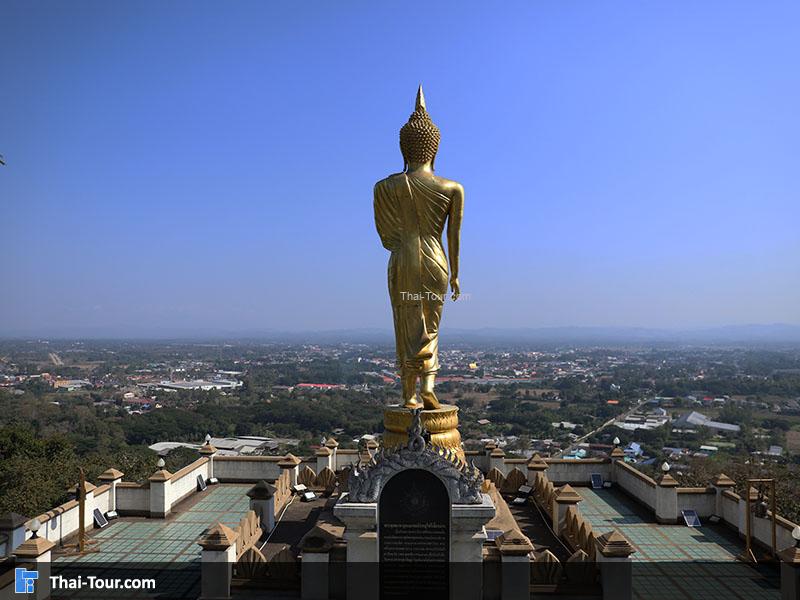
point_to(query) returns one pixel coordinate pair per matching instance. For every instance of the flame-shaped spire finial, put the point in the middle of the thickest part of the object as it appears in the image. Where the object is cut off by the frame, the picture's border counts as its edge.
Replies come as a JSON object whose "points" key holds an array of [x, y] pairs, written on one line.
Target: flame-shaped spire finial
{"points": [[420, 100]]}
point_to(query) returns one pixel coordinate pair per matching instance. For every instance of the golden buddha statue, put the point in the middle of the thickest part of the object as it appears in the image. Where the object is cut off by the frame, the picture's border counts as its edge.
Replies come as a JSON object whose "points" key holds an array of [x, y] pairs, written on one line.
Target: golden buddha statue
{"points": [[411, 209]]}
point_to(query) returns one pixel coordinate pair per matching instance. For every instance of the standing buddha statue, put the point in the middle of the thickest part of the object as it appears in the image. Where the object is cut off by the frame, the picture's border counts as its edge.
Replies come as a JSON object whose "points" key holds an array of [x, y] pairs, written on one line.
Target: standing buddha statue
{"points": [[411, 211]]}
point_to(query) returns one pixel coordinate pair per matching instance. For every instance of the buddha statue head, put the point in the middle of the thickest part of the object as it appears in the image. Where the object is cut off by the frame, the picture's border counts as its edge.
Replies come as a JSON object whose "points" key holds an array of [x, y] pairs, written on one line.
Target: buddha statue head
{"points": [[419, 137]]}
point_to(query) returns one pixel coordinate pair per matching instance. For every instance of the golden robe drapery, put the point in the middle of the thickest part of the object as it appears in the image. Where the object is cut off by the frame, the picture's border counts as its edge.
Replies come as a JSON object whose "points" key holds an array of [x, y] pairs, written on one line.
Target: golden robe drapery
{"points": [[410, 217]]}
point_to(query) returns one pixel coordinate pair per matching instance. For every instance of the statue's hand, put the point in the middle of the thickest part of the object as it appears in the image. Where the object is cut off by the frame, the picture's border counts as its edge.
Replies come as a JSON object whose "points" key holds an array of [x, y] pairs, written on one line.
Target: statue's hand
{"points": [[456, 288]]}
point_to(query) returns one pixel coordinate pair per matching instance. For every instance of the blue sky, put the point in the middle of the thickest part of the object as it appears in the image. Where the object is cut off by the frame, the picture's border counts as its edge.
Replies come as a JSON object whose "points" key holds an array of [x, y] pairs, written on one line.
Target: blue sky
{"points": [[200, 167]]}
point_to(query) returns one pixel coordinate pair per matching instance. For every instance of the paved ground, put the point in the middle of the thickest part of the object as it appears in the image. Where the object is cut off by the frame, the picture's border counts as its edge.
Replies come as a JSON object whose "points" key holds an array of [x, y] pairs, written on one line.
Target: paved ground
{"points": [[173, 539], [675, 561], [532, 522], [165, 550], [297, 519]]}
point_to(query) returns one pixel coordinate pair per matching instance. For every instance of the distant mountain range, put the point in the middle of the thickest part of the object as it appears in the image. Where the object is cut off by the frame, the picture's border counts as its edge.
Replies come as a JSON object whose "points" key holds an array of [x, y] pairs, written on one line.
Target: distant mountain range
{"points": [[775, 333], [778, 333], [756, 334]]}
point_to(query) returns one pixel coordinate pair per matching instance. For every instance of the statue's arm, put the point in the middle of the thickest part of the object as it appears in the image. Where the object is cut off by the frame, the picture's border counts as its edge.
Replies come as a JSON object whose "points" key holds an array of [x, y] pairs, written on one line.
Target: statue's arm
{"points": [[454, 218], [385, 217]]}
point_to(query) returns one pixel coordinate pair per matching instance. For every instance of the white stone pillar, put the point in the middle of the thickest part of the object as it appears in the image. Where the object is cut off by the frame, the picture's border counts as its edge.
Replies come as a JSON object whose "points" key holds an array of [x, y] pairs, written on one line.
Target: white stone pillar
{"points": [[535, 466], [790, 569], [515, 566], [497, 460], [262, 501], [617, 454], [160, 494], [467, 536], [324, 459], [210, 452], [566, 496], [112, 477], [290, 463], [360, 534], [37, 552], [332, 445], [721, 483], [615, 564], [314, 576], [667, 500], [216, 562]]}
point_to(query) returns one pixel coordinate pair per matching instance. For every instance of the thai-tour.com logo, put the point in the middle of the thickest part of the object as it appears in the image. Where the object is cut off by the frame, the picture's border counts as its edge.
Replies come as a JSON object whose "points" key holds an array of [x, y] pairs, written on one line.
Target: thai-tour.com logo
{"points": [[24, 580]]}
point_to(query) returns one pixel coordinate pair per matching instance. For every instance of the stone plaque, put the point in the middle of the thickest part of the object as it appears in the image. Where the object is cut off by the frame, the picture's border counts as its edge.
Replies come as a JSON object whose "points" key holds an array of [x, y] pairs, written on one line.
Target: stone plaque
{"points": [[414, 535]]}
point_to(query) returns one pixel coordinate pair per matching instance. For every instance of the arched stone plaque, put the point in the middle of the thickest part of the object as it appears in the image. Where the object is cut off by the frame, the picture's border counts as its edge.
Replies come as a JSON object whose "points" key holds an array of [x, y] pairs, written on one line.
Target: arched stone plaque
{"points": [[414, 535]]}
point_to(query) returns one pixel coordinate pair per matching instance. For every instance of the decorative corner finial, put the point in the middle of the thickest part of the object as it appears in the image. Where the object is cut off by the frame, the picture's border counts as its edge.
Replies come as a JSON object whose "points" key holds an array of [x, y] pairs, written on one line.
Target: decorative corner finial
{"points": [[420, 100]]}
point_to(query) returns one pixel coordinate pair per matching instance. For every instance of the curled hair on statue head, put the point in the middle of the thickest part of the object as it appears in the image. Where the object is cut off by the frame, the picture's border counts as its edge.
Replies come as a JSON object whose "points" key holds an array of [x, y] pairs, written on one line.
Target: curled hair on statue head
{"points": [[419, 137]]}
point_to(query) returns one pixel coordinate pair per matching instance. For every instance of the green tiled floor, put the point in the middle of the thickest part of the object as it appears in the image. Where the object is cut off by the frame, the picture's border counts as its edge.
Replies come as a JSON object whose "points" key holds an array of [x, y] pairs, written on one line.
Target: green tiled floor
{"points": [[165, 550], [674, 561], [171, 540]]}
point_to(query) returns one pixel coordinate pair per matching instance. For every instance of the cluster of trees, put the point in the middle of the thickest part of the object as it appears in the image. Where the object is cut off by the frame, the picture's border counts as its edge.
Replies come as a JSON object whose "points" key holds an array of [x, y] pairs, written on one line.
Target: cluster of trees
{"points": [[514, 412], [36, 472], [342, 370], [42, 444], [303, 417]]}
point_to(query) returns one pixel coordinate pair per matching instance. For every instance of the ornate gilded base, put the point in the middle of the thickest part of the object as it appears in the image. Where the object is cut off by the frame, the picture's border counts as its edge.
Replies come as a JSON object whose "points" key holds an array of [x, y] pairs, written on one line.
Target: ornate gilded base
{"points": [[441, 423]]}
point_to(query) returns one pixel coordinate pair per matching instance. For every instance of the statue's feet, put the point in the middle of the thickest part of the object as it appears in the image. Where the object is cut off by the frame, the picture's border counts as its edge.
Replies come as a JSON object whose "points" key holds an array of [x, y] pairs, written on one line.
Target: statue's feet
{"points": [[412, 403], [429, 399]]}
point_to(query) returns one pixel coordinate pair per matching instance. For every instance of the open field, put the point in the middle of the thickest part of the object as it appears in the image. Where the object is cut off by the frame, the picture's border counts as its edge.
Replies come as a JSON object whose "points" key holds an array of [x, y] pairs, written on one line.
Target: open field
{"points": [[793, 441]]}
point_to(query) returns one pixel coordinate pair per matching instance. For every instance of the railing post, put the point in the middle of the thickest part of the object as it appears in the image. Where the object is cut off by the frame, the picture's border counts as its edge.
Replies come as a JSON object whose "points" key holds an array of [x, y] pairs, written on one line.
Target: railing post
{"points": [[210, 451], [316, 546], [112, 477], [617, 454], [721, 483], [324, 459], [497, 460], [160, 488], [667, 500], [790, 568], [332, 445], [565, 497], [216, 562], [536, 466], [515, 565], [616, 567], [36, 550], [360, 521], [290, 463], [262, 502], [485, 462]]}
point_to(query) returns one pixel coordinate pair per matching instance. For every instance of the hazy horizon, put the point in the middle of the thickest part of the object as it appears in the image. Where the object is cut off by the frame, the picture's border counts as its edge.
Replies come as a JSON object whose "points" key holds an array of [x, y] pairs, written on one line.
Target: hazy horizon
{"points": [[190, 168], [743, 335]]}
